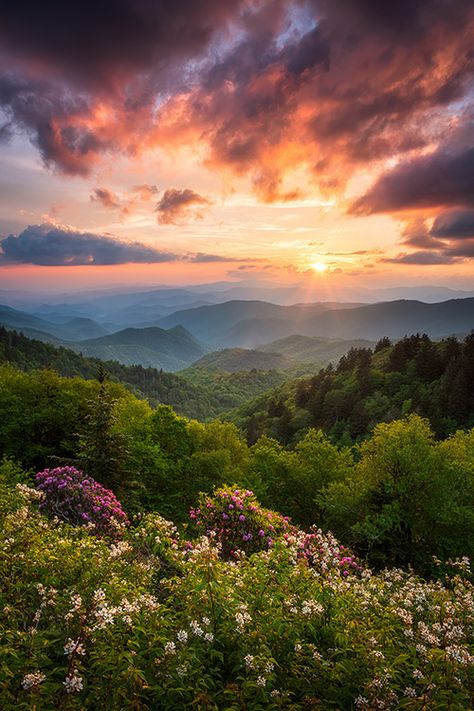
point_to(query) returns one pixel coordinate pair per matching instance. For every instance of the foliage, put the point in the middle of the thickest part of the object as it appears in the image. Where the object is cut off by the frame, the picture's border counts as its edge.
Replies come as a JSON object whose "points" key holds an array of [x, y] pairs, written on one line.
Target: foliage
{"points": [[407, 498], [434, 380], [193, 392], [233, 519], [79, 500], [146, 623]]}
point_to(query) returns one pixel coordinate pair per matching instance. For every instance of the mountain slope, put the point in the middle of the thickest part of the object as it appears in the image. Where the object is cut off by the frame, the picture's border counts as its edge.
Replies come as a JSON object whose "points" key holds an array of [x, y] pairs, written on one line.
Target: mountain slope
{"points": [[313, 349], [171, 349], [433, 379], [74, 329], [233, 360], [199, 394], [253, 323]]}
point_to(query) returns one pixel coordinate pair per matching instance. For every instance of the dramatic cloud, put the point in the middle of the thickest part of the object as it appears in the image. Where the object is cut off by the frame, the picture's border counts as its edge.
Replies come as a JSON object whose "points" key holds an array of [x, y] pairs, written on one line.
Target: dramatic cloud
{"points": [[52, 246], [454, 223], [176, 206], [47, 245], [262, 87], [449, 240], [439, 179]]}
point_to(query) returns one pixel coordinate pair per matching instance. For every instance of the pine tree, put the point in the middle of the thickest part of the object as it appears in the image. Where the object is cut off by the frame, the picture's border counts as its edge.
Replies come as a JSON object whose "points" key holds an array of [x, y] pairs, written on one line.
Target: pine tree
{"points": [[102, 449]]}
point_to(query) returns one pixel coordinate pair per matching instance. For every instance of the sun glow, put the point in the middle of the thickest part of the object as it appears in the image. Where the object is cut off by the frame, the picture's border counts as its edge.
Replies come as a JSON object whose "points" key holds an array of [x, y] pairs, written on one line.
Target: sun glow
{"points": [[319, 266]]}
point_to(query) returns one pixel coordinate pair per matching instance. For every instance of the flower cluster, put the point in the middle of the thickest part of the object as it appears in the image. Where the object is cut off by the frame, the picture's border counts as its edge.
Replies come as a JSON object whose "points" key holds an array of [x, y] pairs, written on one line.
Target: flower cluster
{"points": [[323, 552], [79, 500], [237, 523]]}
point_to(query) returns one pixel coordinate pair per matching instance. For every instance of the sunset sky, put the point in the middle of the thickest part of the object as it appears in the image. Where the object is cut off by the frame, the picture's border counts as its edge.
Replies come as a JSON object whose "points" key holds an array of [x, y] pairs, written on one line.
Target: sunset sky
{"points": [[185, 141]]}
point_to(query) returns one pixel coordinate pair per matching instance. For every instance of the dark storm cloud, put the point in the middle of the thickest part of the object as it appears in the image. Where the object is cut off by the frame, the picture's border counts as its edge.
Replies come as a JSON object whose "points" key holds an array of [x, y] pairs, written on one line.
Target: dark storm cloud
{"points": [[442, 178], [98, 41], [176, 205], [47, 245], [353, 81], [454, 223]]}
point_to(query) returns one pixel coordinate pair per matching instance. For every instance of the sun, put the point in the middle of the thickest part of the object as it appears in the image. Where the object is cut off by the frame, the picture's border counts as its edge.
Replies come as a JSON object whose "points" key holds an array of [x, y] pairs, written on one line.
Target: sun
{"points": [[319, 266]]}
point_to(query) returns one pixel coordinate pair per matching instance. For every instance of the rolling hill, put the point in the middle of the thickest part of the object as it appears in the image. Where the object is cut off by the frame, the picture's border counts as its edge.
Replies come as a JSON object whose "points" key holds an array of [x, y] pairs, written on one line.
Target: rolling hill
{"points": [[253, 323], [234, 360], [313, 349], [154, 347]]}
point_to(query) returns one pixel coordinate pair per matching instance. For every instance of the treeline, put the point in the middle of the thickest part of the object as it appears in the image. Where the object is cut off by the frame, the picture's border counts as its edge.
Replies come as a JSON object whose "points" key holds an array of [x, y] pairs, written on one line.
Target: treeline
{"points": [[197, 394], [400, 497], [435, 380]]}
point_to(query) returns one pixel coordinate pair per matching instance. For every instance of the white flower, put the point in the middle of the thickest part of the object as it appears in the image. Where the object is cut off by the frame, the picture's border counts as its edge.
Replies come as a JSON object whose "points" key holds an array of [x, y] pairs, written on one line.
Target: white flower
{"points": [[206, 621], [181, 670], [32, 680], [261, 681], [196, 628], [73, 682], [248, 659], [209, 637], [269, 667], [72, 646], [182, 636], [410, 692], [99, 595]]}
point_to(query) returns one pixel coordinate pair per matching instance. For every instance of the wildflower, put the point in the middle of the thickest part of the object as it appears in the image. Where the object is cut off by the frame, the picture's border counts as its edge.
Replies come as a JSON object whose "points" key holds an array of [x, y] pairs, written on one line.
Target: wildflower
{"points": [[170, 648], [249, 661], [196, 629], [33, 680], [208, 637], [73, 682], [411, 693], [182, 636], [74, 647], [261, 681], [181, 670]]}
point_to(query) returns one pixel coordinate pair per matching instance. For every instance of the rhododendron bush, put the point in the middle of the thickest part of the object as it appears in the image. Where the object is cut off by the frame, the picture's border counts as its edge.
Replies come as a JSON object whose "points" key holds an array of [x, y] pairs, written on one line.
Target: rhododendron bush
{"points": [[77, 499], [158, 618]]}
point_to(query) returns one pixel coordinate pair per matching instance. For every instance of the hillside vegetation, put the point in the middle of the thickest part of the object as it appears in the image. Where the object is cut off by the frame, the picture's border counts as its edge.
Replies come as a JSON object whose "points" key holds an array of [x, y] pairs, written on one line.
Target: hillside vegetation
{"points": [[435, 380], [138, 569], [197, 394]]}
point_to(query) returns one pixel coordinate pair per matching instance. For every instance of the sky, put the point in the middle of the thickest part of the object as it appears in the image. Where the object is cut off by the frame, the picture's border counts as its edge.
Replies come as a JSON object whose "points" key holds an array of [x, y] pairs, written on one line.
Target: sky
{"points": [[329, 142]]}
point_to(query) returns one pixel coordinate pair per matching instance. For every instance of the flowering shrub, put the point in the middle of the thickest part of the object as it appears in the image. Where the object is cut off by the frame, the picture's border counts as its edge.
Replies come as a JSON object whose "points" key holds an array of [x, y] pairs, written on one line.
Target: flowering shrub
{"points": [[255, 632], [79, 500], [324, 552], [237, 523]]}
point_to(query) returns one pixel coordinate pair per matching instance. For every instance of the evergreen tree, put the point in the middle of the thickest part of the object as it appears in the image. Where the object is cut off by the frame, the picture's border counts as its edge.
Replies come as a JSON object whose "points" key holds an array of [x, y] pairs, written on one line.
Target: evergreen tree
{"points": [[102, 448]]}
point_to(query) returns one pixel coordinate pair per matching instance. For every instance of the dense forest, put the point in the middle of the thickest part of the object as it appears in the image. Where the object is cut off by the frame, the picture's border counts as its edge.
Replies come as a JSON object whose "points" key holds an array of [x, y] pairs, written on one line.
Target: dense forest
{"points": [[196, 393], [415, 374], [152, 561]]}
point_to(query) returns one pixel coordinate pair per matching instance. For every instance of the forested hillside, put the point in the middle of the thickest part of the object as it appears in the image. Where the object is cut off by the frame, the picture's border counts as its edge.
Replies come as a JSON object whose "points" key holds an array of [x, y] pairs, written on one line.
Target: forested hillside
{"points": [[225, 601], [196, 394], [415, 374]]}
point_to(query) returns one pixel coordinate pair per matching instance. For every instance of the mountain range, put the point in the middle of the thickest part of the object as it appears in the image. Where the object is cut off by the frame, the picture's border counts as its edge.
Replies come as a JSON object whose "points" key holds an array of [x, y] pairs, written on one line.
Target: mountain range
{"points": [[284, 336]]}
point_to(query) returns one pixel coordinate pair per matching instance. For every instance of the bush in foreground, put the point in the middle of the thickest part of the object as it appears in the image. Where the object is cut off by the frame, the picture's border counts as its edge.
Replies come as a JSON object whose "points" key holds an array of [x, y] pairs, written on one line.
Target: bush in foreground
{"points": [[144, 623], [79, 500]]}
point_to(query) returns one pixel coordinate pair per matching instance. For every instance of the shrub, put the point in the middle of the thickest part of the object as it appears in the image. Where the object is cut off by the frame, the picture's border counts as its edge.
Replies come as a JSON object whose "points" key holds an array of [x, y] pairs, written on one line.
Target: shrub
{"points": [[323, 552], [237, 523], [79, 500]]}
